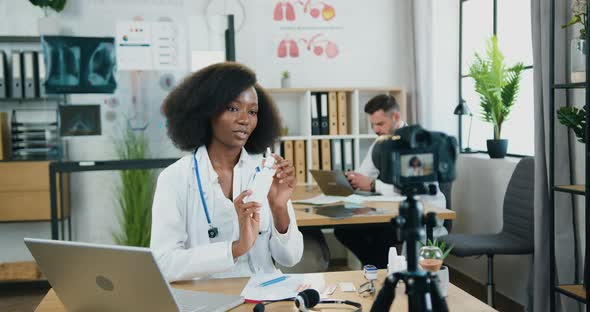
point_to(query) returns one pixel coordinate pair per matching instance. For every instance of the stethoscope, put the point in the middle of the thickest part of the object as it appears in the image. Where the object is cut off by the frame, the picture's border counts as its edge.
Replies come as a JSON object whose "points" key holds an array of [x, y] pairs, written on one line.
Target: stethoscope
{"points": [[213, 231]]}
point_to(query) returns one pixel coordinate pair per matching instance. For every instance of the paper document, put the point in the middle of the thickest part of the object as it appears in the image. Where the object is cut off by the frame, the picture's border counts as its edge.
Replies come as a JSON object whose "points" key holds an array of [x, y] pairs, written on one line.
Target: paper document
{"points": [[287, 288], [353, 199], [383, 198], [321, 200]]}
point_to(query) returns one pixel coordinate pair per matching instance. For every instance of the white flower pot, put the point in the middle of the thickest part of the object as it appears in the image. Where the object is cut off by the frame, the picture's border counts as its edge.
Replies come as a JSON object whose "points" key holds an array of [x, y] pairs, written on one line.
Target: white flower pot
{"points": [[443, 278], [578, 51], [48, 26], [286, 83]]}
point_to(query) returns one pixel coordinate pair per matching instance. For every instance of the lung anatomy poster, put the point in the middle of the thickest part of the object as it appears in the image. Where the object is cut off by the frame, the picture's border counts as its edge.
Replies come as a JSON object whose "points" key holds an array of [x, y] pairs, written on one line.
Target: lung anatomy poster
{"points": [[306, 30]]}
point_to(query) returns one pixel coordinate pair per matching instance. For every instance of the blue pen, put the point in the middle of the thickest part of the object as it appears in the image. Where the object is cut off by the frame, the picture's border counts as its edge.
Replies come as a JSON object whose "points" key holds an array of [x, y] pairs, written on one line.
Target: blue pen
{"points": [[273, 281]]}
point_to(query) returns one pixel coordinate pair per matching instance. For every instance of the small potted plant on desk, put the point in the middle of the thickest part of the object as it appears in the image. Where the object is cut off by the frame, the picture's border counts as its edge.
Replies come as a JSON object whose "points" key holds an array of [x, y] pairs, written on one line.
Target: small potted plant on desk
{"points": [[432, 255], [497, 86]]}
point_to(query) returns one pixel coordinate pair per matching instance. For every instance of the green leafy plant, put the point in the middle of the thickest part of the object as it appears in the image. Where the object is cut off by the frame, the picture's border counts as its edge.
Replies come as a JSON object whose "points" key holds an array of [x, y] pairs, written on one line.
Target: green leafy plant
{"points": [[135, 193], [496, 84], [56, 5], [578, 17], [285, 74], [575, 119], [440, 245]]}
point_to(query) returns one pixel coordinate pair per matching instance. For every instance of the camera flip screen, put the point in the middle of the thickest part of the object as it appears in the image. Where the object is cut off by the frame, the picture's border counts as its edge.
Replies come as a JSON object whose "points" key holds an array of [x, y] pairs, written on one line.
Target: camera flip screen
{"points": [[416, 165]]}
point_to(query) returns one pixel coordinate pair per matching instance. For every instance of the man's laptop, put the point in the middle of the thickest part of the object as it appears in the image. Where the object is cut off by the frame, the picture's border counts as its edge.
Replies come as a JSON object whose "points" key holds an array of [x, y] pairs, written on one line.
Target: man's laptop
{"points": [[335, 183], [89, 277]]}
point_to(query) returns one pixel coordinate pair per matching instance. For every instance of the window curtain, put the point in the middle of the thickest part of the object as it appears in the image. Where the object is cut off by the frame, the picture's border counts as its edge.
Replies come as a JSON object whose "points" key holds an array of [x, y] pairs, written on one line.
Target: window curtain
{"points": [[564, 234]]}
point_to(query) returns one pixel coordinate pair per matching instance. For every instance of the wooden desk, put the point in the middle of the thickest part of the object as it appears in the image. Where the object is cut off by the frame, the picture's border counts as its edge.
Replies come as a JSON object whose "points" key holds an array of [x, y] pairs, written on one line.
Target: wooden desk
{"points": [[457, 300], [306, 218]]}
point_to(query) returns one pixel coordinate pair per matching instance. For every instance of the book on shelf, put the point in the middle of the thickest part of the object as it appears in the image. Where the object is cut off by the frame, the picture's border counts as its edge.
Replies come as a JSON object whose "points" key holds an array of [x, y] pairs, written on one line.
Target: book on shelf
{"points": [[16, 85], [332, 113], [337, 155], [300, 172], [315, 155], [4, 136], [347, 152], [324, 126], [315, 118], [288, 152], [30, 73], [326, 159], [3, 76], [342, 113]]}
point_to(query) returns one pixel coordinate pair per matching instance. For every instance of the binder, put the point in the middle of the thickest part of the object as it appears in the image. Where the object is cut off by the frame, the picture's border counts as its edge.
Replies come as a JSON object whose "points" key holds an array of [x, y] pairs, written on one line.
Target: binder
{"points": [[30, 74], [348, 155], [300, 161], [16, 84], [315, 155], [3, 76], [342, 113], [288, 151], [4, 136], [315, 120], [336, 155], [41, 74], [333, 113], [324, 129], [325, 155]]}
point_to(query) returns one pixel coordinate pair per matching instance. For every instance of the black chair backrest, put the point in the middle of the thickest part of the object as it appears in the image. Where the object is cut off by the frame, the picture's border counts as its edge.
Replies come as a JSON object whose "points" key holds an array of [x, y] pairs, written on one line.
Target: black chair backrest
{"points": [[447, 189], [519, 201]]}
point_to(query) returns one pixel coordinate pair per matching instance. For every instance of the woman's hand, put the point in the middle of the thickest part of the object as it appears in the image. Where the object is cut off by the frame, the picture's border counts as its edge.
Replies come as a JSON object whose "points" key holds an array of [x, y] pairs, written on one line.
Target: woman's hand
{"points": [[249, 222], [280, 192]]}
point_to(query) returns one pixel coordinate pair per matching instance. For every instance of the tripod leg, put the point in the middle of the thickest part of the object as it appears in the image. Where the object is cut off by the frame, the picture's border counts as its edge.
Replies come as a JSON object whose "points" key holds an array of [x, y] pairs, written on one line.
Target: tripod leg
{"points": [[386, 295], [438, 301]]}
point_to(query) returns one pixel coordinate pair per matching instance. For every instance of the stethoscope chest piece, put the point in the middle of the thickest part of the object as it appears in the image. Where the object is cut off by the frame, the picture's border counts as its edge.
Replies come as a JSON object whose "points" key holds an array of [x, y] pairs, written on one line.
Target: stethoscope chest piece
{"points": [[213, 232]]}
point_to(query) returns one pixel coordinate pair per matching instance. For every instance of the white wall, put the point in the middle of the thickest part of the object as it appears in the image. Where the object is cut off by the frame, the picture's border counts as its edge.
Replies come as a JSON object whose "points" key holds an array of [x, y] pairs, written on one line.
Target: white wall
{"points": [[478, 194], [373, 41]]}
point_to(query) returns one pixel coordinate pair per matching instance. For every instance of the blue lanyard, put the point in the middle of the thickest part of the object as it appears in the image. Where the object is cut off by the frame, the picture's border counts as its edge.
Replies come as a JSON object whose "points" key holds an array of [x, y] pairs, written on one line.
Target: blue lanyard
{"points": [[201, 188]]}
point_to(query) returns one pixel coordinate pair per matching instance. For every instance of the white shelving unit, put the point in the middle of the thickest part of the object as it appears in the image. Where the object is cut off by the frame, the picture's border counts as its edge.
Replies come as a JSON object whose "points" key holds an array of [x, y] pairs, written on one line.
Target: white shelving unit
{"points": [[294, 105]]}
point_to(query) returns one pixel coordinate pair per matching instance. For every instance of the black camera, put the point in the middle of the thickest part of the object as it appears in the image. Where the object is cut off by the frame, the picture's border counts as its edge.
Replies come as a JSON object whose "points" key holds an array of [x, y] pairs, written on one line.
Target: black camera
{"points": [[414, 157]]}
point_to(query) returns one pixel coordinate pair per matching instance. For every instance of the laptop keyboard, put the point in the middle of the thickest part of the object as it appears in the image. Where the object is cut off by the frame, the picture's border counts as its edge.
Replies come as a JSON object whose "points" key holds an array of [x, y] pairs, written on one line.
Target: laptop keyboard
{"points": [[187, 301]]}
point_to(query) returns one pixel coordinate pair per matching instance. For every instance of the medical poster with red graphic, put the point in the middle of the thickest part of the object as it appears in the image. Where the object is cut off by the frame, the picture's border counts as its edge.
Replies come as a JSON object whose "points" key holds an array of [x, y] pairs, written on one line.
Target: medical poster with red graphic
{"points": [[306, 30]]}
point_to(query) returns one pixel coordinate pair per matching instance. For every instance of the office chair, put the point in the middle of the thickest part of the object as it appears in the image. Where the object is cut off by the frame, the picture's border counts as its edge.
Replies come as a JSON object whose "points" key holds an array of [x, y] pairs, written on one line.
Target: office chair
{"points": [[517, 235], [316, 254], [447, 189]]}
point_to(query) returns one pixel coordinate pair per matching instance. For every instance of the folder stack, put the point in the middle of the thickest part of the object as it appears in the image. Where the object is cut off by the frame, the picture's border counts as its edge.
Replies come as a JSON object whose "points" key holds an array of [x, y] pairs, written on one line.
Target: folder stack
{"points": [[34, 139]]}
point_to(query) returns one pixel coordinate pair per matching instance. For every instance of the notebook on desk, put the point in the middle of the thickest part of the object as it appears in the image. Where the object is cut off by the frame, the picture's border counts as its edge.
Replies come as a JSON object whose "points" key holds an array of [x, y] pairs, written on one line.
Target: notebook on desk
{"points": [[90, 277]]}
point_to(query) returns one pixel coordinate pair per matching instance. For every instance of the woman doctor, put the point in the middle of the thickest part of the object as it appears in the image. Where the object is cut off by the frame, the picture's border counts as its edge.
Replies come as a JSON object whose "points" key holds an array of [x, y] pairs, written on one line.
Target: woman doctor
{"points": [[201, 226]]}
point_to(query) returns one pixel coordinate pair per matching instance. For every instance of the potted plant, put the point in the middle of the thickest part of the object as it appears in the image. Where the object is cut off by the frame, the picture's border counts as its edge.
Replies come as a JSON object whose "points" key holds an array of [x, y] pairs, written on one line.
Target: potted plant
{"points": [[285, 79], [575, 119], [48, 25], [578, 45], [135, 193], [431, 257], [497, 86]]}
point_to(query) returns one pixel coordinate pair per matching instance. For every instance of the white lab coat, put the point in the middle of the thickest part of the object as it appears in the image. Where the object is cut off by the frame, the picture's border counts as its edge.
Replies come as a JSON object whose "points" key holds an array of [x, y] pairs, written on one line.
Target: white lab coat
{"points": [[369, 169], [179, 237]]}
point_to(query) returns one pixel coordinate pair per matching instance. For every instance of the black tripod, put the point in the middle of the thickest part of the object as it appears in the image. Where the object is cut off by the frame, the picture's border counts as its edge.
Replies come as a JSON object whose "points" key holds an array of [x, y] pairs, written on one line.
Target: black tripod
{"points": [[421, 286]]}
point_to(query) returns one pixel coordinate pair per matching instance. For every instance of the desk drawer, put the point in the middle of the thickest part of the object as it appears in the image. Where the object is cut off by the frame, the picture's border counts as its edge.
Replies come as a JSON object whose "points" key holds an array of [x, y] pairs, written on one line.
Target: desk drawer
{"points": [[26, 206], [24, 176]]}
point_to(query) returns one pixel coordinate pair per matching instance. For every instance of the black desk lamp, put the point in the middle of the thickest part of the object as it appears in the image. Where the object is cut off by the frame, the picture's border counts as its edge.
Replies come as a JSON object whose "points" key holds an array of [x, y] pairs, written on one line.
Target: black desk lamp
{"points": [[463, 110]]}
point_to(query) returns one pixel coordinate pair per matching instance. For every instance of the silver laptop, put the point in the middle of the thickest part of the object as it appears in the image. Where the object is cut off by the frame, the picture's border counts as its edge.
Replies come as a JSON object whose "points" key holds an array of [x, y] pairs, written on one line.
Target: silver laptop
{"points": [[90, 277], [335, 183]]}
